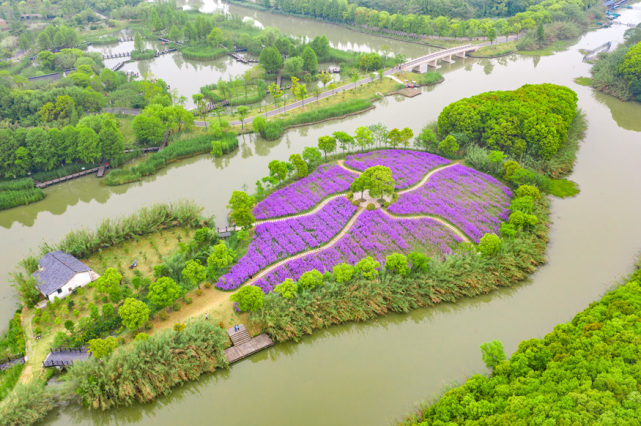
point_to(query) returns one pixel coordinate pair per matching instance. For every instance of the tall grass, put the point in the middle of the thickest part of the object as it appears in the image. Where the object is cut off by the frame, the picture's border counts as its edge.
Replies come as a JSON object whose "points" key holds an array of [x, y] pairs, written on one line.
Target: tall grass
{"points": [[9, 378], [325, 113], [430, 78], [203, 53], [146, 54], [66, 170], [209, 91], [460, 274], [103, 40], [145, 370], [177, 150], [16, 185], [9, 199], [27, 404], [606, 76]]}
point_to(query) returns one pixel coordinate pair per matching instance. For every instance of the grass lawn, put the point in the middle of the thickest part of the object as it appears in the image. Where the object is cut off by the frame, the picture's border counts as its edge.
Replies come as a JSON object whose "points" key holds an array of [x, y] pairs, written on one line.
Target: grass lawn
{"points": [[126, 122], [495, 50], [583, 81], [563, 188]]}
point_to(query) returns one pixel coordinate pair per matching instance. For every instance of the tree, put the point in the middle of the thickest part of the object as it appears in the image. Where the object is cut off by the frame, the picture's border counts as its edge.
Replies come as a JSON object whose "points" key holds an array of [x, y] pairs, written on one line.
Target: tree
{"points": [[493, 353], [385, 50], [299, 90], [270, 59], [344, 139], [134, 313], [379, 133], [287, 289], [371, 61], [630, 69], [46, 58], [397, 263], [317, 91], [325, 77], [489, 244], [219, 258], [69, 326], [310, 61], [491, 35], [320, 45], [527, 190], [343, 272], [310, 279], [242, 112], [174, 33], [156, 23], [367, 267], [364, 137], [194, 272], [378, 180], [540, 33], [107, 310], [148, 130], [293, 65], [278, 169], [139, 45], [248, 298], [109, 279], [448, 146], [299, 164], [311, 155], [241, 206], [111, 141], [327, 144], [275, 92], [426, 138], [100, 348], [354, 77], [163, 292], [420, 262]]}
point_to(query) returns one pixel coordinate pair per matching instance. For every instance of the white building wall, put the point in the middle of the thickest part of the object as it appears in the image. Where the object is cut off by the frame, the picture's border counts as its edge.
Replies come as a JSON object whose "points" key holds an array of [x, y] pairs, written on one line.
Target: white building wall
{"points": [[81, 279]]}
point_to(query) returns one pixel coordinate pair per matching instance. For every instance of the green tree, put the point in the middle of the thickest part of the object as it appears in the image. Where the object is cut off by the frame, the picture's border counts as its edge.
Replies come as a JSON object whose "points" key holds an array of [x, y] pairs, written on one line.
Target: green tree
{"points": [[311, 155], [310, 61], [378, 180], [491, 35], [327, 144], [493, 353], [310, 279], [94, 312], [344, 139], [540, 33], [219, 258], [194, 272], [630, 69], [242, 112], [241, 206], [426, 138], [364, 137], [109, 279], [287, 289], [320, 45], [278, 169], [139, 44], [448, 146], [293, 66], [107, 310], [299, 164], [270, 59], [325, 77], [489, 244], [111, 141], [100, 348], [163, 292], [248, 298], [70, 326], [156, 23], [174, 33], [148, 130], [420, 262], [343, 272], [367, 267], [397, 263]]}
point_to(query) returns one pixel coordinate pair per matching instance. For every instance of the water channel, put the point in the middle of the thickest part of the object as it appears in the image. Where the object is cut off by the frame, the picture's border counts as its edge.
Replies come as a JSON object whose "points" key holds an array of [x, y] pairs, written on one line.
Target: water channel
{"points": [[372, 372]]}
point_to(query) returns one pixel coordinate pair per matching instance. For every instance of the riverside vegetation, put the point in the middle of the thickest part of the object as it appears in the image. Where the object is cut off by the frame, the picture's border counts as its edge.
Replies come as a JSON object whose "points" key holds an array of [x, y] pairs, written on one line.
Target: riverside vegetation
{"points": [[585, 372], [364, 273]]}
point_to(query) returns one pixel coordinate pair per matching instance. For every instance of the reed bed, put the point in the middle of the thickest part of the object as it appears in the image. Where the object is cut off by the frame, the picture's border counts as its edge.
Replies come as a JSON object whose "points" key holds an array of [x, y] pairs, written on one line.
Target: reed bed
{"points": [[66, 170], [146, 54], [9, 199], [461, 274], [145, 370], [27, 404], [16, 185], [203, 54], [209, 91]]}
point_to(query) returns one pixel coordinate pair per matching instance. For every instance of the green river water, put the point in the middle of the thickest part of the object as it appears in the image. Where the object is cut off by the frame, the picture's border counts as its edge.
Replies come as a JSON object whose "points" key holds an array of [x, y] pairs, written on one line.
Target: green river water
{"points": [[370, 373]]}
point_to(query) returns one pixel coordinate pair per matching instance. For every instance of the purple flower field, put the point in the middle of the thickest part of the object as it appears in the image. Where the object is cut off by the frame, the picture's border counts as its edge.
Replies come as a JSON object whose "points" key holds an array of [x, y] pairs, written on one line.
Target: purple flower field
{"points": [[275, 241], [473, 201], [305, 193], [374, 234], [408, 167]]}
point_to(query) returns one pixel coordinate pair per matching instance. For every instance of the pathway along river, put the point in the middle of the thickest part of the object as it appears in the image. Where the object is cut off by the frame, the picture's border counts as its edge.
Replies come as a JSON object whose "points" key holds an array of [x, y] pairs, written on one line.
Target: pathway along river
{"points": [[368, 373]]}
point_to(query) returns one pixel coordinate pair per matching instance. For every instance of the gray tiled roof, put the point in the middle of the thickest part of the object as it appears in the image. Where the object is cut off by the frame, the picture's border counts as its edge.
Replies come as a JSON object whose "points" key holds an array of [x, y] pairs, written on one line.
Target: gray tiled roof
{"points": [[56, 269]]}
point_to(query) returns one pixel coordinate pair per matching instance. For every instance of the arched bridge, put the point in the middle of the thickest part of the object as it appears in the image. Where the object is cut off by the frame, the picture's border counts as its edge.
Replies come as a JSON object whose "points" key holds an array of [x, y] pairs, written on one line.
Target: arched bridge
{"points": [[420, 64]]}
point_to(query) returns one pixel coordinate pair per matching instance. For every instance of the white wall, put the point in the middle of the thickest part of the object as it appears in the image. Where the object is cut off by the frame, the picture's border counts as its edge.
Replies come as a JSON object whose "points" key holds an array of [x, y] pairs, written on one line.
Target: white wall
{"points": [[81, 279]]}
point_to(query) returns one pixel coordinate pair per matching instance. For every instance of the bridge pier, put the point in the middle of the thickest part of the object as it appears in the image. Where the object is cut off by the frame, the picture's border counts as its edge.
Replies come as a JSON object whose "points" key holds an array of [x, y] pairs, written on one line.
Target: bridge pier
{"points": [[447, 58], [461, 55]]}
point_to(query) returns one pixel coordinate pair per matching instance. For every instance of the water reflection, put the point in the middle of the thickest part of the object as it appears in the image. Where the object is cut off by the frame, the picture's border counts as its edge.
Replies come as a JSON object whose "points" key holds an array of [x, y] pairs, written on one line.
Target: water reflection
{"points": [[626, 114]]}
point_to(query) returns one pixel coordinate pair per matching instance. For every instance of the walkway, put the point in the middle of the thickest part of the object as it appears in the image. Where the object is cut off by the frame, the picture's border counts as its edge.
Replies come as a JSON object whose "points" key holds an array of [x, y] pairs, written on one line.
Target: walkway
{"points": [[244, 344], [421, 64], [65, 357]]}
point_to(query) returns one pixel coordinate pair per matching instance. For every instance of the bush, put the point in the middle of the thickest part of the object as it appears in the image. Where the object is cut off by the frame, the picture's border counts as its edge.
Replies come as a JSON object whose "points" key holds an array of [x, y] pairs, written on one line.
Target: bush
{"points": [[9, 199], [199, 292], [149, 325], [371, 206], [207, 285], [203, 53], [163, 316], [146, 54], [189, 300], [356, 202], [177, 307]]}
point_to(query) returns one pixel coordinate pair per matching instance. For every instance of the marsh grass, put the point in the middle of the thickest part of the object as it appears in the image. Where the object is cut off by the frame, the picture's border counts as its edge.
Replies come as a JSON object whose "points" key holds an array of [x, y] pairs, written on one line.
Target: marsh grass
{"points": [[563, 188]]}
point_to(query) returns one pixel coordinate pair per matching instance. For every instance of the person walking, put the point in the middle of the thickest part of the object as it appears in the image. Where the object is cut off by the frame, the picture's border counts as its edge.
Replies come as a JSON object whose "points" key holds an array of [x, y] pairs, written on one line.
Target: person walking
{"points": [[206, 316]]}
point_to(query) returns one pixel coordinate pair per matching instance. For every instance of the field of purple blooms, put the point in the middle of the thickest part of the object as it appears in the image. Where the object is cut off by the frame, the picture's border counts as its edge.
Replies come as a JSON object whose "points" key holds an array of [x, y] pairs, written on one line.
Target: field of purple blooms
{"points": [[373, 234], [408, 167], [275, 241], [304, 194], [471, 200]]}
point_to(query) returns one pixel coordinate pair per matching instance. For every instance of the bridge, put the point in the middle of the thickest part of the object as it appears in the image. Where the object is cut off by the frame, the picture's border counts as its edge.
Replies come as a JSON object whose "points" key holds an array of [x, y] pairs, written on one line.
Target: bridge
{"points": [[420, 64], [592, 53]]}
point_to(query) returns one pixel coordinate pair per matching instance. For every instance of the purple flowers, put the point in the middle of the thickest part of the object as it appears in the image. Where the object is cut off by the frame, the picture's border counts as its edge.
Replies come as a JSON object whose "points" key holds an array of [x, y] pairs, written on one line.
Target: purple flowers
{"points": [[305, 193], [408, 167], [473, 201], [375, 234], [279, 240]]}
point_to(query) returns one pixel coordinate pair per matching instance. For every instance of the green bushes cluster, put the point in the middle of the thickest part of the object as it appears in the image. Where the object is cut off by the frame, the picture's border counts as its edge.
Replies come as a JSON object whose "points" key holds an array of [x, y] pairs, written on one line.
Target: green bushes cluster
{"points": [[209, 91], [251, 98], [9, 199], [220, 148], [13, 342], [533, 119], [204, 53], [145, 54], [430, 78], [132, 374], [586, 371], [27, 404], [9, 378]]}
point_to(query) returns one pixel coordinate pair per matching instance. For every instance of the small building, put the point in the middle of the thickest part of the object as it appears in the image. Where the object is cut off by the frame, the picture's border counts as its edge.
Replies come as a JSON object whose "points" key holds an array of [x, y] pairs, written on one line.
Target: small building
{"points": [[60, 273], [3, 23]]}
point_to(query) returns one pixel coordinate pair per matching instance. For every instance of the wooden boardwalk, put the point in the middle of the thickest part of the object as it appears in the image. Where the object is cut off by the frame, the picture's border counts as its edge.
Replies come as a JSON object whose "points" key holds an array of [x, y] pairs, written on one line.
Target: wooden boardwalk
{"points": [[244, 344], [64, 357], [66, 178]]}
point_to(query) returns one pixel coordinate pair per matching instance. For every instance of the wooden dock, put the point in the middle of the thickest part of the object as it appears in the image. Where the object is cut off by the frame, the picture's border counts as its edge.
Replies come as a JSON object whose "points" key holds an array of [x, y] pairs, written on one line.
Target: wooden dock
{"points": [[244, 344], [241, 59], [66, 178]]}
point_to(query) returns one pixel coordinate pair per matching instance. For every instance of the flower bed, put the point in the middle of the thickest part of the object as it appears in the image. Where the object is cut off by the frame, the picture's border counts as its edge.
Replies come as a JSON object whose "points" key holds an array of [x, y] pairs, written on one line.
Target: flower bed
{"points": [[305, 193], [275, 241], [373, 234], [473, 201], [408, 167]]}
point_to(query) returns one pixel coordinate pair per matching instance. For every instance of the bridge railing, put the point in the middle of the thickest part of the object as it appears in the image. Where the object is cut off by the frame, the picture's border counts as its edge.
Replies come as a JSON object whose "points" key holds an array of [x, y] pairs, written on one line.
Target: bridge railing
{"points": [[604, 47], [437, 55]]}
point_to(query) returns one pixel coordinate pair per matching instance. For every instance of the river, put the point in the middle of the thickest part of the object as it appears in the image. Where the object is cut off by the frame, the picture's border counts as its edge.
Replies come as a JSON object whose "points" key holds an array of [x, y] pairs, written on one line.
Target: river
{"points": [[369, 373]]}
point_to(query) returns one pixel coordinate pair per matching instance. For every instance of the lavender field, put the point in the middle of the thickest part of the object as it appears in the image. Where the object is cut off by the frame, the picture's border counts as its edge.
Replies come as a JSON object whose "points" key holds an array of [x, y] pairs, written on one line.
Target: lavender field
{"points": [[373, 234], [304, 194], [473, 201], [408, 167], [275, 241]]}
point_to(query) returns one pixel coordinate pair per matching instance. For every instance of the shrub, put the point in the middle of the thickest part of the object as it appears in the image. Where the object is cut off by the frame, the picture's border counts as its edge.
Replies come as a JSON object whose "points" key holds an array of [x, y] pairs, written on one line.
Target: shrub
{"points": [[189, 300], [163, 316], [527, 190], [149, 325], [207, 285], [179, 327], [371, 206], [489, 244], [448, 146], [199, 292], [177, 307], [492, 354], [356, 202], [37, 331], [248, 298]]}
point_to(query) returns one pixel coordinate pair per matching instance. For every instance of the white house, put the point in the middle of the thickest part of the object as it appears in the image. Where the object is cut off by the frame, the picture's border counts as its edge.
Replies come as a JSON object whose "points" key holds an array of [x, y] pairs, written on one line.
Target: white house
{"points": [[59, 273]]}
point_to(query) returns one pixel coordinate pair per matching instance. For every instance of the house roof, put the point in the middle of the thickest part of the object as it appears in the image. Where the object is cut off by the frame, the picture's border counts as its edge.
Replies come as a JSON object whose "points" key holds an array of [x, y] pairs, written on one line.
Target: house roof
{"points": [[56, 269]]}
